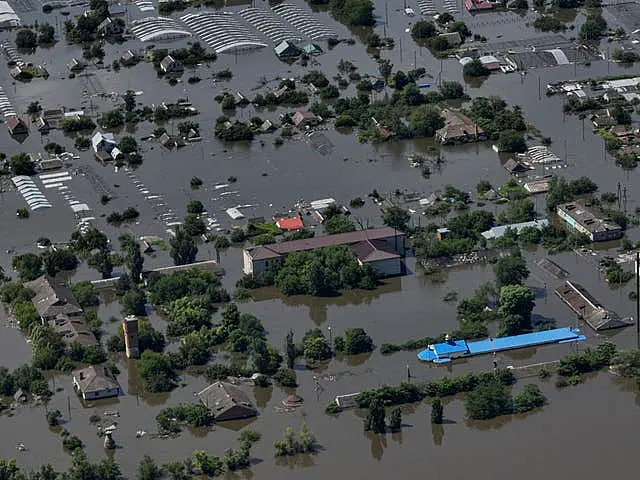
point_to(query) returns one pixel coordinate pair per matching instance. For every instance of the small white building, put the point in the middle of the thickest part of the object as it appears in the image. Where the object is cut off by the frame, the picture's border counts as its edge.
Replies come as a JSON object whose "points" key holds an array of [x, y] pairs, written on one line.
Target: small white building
{"points": [[96, 382], [171, 65]]}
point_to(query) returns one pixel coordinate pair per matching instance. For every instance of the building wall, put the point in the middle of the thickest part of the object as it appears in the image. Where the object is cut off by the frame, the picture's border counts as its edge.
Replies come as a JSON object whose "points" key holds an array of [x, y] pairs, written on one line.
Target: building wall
{"points": [[396, 243], [113, 392], [569, 220], [247, 263], [388, 267], [600, 236]]}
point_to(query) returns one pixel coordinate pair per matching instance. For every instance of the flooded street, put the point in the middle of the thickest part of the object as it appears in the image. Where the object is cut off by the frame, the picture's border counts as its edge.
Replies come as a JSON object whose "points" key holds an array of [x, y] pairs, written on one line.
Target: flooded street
{"points": [[587, 431]]}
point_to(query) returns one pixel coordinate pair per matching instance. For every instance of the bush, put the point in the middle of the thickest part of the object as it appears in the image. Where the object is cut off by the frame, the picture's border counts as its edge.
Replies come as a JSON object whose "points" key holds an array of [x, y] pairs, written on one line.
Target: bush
{"points": [[286, 377], [529, 399]]}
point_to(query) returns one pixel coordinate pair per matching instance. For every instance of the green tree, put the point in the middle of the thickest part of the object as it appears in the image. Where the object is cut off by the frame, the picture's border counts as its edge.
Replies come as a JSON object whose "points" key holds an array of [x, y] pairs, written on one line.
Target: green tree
{"points": [[21, 164], [132, 256], [133, 302], [338, 224], [511, 270], [26, 38], [436, 411], [374, 421], [195, 207], [61, 259], [156, 372], [112, 119], [396, 217], [194, 225], [425, 120], [46, 34], [488, 400], [451, 90], [128, 144], [129, 98], [528, 399], [28, 266], [209, 465], [517, 300], [290, 350], [395, 420], [357, 341], [103, 262], [85, 293], [475, 68], [183, 248], [423, 29], [511, 141], [148, 469], [317, 348]]}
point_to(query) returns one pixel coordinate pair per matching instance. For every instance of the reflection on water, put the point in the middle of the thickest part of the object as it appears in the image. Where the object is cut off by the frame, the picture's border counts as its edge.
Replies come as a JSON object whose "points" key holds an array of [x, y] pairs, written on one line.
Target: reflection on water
{"points": [[437, 432]]}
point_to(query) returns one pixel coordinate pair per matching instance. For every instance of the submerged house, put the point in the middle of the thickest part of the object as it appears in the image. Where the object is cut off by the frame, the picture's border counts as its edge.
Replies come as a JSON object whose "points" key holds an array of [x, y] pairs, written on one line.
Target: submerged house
{"points": [[458, 128], [16, 126], [286, 49], [382, 248], [96, 382], [53, 298], [227, 402], [171, 65], [587, 308]]}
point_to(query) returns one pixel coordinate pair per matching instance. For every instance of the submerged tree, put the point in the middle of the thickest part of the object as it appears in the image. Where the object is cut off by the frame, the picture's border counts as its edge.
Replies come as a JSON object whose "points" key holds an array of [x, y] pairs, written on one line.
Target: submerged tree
{"points": [[374, 421], [436, 411]]}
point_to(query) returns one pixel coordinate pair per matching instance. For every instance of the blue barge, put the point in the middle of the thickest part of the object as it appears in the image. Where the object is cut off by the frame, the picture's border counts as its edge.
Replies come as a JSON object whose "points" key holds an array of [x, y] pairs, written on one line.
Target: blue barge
{"points": [[452, 349]]}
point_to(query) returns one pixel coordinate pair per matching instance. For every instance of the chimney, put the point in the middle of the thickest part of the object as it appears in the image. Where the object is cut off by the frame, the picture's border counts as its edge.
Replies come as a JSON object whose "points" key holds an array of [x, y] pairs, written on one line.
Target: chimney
{"points": [[81, 375]]}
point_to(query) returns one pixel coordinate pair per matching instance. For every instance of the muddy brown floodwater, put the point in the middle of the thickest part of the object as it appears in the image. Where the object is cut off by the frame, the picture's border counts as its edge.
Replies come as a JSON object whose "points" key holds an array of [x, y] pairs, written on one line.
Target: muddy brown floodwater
{"points": [[587, 431]]}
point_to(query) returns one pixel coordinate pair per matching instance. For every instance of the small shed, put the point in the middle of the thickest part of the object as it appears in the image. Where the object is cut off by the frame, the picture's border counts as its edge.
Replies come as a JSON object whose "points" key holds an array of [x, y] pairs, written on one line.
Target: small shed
{"points": [[286, 49], [171, 65], [312, 49]]}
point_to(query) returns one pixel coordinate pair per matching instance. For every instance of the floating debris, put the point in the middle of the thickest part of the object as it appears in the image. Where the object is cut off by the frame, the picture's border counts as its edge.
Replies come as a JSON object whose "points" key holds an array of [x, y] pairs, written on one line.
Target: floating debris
{"points": [[21, 447]]}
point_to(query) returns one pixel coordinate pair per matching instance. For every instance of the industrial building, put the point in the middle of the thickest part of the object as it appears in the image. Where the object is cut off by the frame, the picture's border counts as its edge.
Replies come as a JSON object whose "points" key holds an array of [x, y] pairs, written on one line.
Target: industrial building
{"points": [[579, 216], [587, 308], [383, 248]]}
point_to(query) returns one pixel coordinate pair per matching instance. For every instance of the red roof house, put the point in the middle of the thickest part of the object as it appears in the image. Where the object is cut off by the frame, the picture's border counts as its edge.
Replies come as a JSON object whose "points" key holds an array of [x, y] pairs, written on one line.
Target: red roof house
{"points": [[286, 223], [17, 127], [473, 5]]}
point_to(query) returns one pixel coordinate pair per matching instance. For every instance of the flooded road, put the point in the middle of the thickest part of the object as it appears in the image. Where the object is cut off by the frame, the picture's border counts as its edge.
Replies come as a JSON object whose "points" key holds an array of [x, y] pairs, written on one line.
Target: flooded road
{"points": [[573, 435]]}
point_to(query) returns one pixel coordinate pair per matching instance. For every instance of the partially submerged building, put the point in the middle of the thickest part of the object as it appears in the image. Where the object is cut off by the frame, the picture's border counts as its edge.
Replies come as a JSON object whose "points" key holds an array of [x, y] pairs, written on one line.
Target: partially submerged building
{"points": [[16, 126], [304, 119], [171, 65], [580, 217], [227, 402], [96, 382], [53, 298], [286, 49], [130, 330], [458, 128], [587, 308], [499, 231], [383, 248]]}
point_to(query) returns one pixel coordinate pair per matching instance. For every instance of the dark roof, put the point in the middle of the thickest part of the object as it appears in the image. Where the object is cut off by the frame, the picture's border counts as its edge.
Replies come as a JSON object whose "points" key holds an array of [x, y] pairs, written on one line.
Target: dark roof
{"points": [[588, 308], [94, 379], [513, 166], [16, 124], [222, 397], [373, 251], [277, 249], [53, 297]]}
